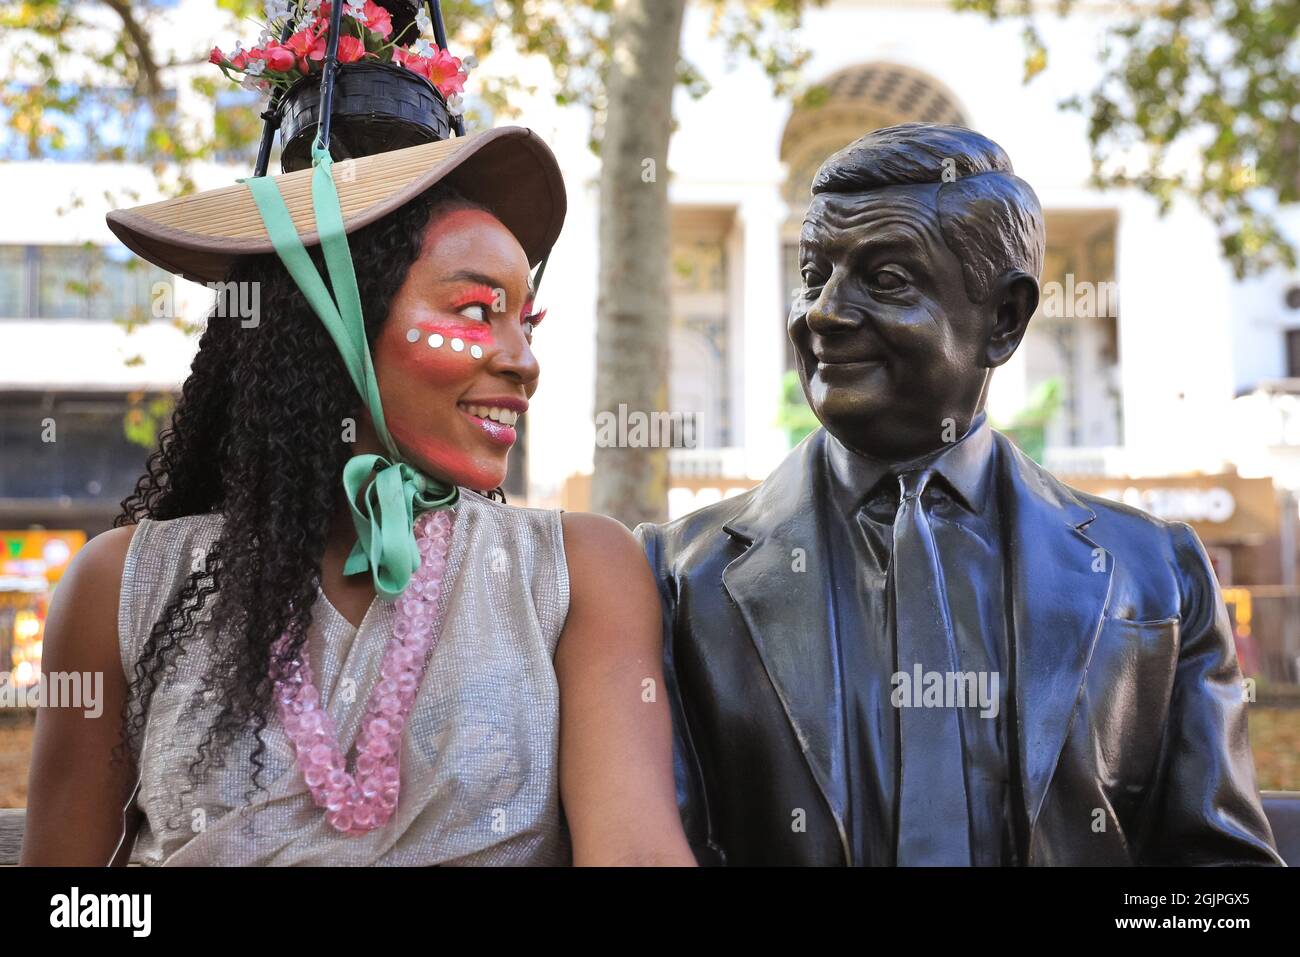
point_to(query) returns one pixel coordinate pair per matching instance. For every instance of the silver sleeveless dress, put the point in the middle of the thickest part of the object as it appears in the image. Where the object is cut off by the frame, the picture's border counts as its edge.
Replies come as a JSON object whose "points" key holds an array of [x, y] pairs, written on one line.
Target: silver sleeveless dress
{"points": [[479, 777]]}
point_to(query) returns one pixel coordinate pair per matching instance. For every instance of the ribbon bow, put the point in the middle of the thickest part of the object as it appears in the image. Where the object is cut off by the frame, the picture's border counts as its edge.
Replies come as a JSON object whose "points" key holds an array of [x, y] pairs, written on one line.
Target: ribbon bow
{"points": [[398, 491]]}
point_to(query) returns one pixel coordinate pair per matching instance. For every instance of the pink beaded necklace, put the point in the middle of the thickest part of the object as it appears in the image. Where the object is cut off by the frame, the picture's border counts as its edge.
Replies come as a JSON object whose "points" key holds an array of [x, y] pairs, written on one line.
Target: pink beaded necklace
{"points": [[366, 799]]}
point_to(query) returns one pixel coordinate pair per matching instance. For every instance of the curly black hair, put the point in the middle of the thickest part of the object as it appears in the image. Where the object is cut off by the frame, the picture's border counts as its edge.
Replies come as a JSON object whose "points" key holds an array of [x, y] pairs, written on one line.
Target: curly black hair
{"points": [[257, 436]]}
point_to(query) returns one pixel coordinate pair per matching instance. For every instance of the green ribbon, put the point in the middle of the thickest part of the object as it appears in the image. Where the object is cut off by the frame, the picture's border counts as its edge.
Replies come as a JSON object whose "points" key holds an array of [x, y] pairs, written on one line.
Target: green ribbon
{"points": [[396, 491]]}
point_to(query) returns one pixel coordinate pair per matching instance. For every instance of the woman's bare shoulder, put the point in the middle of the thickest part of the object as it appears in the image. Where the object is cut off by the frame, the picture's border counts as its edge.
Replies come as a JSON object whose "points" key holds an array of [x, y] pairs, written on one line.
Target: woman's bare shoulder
{"points": [[612, 591], [100, 563], [82, 620], [601, 546]]}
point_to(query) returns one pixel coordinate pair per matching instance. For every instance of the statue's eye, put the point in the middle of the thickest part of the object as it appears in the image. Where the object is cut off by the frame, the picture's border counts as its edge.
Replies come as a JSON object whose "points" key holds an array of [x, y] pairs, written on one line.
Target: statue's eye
{"points": [[888, 280], [812, 279]]}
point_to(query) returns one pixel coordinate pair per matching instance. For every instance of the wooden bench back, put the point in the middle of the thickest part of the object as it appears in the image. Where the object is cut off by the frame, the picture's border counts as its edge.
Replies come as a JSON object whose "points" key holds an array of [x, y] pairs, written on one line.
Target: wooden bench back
{"points": [[1282, 808]]}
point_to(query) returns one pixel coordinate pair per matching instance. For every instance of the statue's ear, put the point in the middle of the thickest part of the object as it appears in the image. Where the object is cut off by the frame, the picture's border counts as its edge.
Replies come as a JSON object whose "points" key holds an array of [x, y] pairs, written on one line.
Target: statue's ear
{"points": [[1014, 297]]}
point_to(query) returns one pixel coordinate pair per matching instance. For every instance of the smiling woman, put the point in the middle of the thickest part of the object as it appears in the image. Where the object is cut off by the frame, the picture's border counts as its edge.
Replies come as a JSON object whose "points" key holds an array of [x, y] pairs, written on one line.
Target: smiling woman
{"points": [[370, 671]]}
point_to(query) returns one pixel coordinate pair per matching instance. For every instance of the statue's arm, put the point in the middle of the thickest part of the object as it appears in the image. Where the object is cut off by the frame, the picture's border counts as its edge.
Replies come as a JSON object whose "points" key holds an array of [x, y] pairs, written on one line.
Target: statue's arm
{"points": [[1206, 807], [691, 801]]}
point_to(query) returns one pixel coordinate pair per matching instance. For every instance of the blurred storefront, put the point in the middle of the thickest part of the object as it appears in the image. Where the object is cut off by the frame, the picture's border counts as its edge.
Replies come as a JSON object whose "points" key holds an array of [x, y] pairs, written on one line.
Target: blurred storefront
{"points": [[31, 563], [1248, 527]]}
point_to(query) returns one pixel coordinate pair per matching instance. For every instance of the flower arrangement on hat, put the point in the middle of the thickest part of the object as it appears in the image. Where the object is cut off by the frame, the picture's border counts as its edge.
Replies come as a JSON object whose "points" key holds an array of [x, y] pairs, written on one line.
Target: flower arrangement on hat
{"points": [[367, 35]]}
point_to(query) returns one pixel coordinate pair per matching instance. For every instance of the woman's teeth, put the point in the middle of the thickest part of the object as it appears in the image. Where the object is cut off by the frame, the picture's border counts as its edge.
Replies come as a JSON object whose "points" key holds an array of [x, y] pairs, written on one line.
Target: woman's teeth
{"points": [[504, 416]]}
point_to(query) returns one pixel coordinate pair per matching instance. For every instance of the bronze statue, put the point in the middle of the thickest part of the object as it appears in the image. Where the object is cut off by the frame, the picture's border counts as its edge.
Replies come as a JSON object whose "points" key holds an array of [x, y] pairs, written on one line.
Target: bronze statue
{"points": [[911, 644]]}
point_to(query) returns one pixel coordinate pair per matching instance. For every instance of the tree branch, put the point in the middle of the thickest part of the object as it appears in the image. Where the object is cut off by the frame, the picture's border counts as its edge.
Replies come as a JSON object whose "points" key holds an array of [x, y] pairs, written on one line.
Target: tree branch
{"points": [[143, 48]]}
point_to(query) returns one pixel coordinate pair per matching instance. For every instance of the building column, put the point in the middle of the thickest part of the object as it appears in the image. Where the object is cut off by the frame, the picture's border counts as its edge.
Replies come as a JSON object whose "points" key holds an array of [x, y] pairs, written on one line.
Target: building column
{"points": [[762, 305]]}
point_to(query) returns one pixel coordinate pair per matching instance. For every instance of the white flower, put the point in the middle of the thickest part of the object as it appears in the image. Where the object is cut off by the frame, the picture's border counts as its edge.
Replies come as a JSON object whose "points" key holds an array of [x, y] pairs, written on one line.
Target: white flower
{"points": [[252, 83], [455, 105], [469, 62], [277, 9], [422, 21], [311, 6], [356, 9], [255, 67], [423, 47]]}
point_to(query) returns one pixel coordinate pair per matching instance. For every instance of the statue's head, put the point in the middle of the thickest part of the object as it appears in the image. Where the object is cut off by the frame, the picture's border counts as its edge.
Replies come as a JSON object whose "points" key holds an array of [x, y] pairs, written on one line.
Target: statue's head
{"points": [[920, 256]]}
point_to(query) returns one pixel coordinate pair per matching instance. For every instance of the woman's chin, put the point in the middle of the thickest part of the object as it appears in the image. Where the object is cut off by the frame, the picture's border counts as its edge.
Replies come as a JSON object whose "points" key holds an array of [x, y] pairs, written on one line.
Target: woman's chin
{"points": [[479, 478]]}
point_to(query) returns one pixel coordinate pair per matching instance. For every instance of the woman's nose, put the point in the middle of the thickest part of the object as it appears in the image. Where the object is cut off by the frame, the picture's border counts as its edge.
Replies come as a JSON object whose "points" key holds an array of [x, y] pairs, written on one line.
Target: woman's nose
{"points": [[514, 356]]}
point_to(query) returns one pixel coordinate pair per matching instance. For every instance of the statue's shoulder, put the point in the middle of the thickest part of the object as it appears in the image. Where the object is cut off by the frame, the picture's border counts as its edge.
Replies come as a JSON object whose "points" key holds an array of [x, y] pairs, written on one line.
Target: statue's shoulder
{"points": [[1137, 538], [694, 534]]}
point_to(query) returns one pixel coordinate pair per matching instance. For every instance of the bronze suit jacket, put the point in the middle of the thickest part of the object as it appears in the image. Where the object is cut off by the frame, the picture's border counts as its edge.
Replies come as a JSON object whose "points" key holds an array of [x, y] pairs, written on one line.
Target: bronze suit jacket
{"points": [[1130, 720]]}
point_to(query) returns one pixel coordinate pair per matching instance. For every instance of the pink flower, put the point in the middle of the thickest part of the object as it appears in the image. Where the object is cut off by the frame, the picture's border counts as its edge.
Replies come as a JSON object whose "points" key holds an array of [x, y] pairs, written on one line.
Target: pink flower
{"points": [[239, 60], [444, 73], [416, 64], [279, 58], [216, 56], [308, 45], [300, 43], [442, 70], [378, 19], [350, 49]]}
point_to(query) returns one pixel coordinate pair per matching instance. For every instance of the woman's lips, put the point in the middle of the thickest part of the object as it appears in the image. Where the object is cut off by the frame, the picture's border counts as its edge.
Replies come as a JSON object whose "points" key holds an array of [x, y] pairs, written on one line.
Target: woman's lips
{"points": [[496, 431]]}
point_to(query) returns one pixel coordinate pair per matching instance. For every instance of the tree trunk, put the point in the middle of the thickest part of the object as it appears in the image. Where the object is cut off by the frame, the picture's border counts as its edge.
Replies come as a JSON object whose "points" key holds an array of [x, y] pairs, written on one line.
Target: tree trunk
{"points": [[632, 310]]}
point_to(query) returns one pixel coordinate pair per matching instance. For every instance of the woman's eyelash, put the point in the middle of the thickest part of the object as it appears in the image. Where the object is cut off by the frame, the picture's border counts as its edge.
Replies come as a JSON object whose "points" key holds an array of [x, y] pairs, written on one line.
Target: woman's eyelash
{"points": [[535, 319]]}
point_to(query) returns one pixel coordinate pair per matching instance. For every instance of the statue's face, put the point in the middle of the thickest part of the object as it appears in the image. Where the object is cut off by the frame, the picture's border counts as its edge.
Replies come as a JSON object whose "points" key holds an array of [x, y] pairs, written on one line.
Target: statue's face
{"points": [[454, 359], [891, 352]]}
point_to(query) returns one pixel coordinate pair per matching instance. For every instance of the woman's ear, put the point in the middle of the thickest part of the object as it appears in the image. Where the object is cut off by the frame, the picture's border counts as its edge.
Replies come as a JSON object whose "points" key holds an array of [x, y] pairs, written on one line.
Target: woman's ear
{"points": [[1014, 298]]}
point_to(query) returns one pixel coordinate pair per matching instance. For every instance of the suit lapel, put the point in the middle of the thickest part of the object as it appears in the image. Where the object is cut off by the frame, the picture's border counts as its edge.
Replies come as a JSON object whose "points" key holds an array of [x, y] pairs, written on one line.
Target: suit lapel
{"points": [[1060, 584], [782, 587]]}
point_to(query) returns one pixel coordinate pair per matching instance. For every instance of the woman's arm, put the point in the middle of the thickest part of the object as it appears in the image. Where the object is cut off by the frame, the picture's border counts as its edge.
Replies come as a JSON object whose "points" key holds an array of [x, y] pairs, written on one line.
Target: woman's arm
{"points": [[74, 797], [616, 772]]}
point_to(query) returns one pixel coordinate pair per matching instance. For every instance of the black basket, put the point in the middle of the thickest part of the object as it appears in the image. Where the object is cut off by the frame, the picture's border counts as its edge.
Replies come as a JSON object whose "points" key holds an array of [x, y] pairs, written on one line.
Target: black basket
{"points": [[377, 107]]}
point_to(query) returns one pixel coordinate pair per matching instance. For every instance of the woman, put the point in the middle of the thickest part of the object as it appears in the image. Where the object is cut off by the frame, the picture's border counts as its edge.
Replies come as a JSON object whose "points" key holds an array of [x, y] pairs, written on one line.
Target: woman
{"points": [[495, 667]]}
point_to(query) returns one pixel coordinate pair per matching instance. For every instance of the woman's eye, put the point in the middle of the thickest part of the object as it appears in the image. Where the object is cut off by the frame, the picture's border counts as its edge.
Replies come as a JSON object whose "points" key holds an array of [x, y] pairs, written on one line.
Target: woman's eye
{"points": [[481, 315]]}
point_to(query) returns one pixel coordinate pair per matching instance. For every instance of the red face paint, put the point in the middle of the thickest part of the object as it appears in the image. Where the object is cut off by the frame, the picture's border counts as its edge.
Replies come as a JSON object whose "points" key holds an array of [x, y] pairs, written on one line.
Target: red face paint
{"points": [[451, 458], [469, 330], [478, 295]]}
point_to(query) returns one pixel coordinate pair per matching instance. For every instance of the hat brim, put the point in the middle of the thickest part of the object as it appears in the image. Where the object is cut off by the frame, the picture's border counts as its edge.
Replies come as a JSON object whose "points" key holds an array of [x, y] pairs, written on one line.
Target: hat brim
{"points": [[510, 170]]}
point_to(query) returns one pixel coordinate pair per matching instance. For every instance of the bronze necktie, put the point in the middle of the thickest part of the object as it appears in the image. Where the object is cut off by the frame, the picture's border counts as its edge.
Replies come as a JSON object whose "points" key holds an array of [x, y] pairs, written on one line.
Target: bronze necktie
{"points": [[933, 816]]}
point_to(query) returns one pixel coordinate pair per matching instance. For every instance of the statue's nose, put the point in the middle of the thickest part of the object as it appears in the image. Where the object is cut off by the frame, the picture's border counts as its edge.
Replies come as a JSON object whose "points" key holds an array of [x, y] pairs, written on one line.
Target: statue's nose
{"points": [[828, 315]]}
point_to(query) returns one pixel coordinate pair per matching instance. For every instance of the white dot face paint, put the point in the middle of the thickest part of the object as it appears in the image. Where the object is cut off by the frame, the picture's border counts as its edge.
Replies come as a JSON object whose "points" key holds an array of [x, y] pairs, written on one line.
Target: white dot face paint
{"points": [[476, 351], [435, 341], [457, 345], [412, 335]]}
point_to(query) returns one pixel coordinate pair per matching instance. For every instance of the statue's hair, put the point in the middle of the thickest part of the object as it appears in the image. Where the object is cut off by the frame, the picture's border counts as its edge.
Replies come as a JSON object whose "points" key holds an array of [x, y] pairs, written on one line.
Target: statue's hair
{"points": [[988, 216]]}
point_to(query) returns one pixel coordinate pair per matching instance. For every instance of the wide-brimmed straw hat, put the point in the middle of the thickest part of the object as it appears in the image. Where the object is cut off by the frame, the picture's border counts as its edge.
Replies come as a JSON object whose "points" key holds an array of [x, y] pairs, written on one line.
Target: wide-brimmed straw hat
{"points": [[510, 170]]}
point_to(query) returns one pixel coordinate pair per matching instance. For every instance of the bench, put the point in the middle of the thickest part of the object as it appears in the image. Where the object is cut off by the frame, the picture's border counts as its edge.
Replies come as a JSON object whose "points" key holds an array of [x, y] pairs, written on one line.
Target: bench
{"points": [[1282, 808]]}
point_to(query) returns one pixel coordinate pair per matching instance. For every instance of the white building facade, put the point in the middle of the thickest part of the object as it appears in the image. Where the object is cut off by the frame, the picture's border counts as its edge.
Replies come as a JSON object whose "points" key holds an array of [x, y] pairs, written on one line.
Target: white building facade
{"points": [[1171, 340]]}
